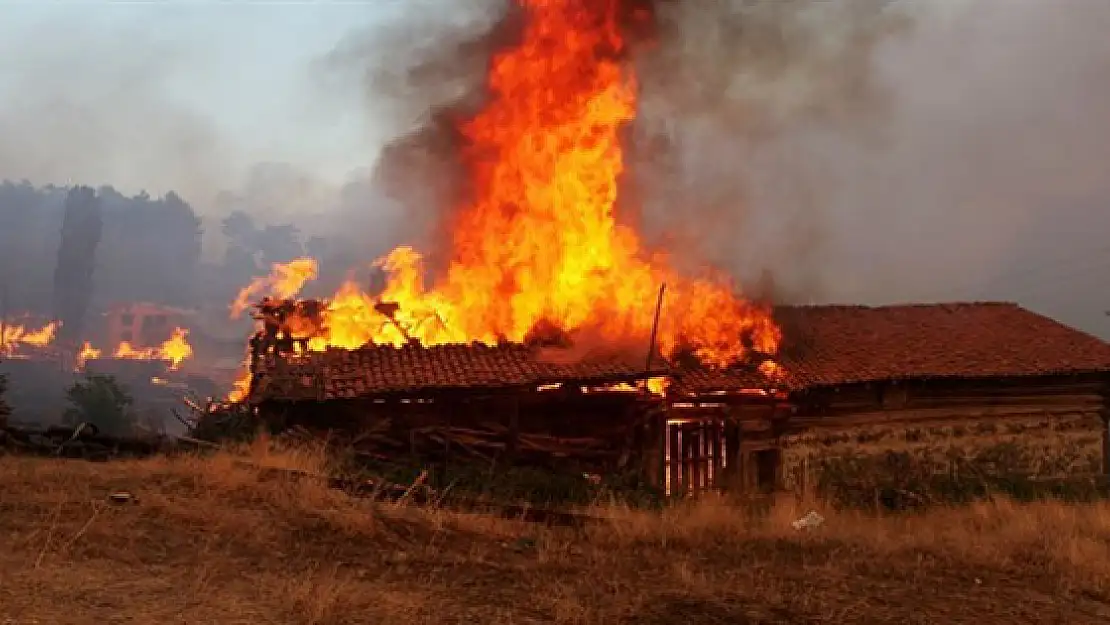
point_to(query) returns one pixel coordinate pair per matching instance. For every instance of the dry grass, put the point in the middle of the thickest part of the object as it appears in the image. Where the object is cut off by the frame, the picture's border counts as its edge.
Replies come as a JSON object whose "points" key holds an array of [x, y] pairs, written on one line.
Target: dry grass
{"points": [[212, 541]]}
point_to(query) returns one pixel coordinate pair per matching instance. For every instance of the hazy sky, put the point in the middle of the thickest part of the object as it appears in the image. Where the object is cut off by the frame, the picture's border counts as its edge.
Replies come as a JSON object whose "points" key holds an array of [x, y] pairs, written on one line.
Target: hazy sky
{"points": [[241, 69], [983, 176]]}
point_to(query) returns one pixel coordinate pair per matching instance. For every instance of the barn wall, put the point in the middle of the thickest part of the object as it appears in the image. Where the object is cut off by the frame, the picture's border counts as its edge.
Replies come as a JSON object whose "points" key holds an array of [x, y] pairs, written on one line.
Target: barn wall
{"points": [[937, 402]]}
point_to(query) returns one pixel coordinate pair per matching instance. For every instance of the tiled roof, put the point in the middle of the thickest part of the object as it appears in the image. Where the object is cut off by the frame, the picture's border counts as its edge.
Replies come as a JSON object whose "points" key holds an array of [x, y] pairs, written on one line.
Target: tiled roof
{"points": [[822, 346], [380, 370], [833, 345]]}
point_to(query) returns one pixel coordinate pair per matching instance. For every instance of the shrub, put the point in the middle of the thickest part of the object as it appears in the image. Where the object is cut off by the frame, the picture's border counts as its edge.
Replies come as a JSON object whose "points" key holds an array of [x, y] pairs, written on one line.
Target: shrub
{"points": [[5, 410], [101, 401]]}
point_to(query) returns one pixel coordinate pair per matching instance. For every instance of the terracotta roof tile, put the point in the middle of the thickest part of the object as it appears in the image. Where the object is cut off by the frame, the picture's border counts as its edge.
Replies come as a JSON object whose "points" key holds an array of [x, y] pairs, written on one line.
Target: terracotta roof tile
{"points": [[841, 344], [822, 346], [832, 345], [376, 370]]}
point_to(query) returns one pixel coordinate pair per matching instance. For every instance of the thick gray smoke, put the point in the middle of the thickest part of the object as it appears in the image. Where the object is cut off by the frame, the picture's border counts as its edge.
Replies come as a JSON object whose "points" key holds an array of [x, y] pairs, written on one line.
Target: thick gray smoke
{"points": [[984, 180], [96, 107], [418, 72], [862, 151], [725, 92]]}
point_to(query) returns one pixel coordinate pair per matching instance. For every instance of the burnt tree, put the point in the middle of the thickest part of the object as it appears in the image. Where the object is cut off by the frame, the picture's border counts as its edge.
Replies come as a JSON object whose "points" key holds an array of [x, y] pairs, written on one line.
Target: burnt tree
{"points": [[73, 285]]}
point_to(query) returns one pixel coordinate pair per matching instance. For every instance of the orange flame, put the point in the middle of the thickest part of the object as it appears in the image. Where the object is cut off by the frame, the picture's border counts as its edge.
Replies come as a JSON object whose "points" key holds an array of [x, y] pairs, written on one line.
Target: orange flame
{"points": [[240, 387], [285, 280], [15, 336], [176, 349], [173, 350], [87, 353], [541, 242]]}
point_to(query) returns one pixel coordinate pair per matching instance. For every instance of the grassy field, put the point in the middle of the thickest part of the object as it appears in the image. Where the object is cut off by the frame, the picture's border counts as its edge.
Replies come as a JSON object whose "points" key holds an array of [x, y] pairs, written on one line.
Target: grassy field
{"points": [[212, 541]]}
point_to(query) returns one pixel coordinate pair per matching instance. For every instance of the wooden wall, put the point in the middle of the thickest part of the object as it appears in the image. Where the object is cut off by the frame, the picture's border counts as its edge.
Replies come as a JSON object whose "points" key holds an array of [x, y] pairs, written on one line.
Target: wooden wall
{"points": [[946, 400], [954, 402], [734, 442]]}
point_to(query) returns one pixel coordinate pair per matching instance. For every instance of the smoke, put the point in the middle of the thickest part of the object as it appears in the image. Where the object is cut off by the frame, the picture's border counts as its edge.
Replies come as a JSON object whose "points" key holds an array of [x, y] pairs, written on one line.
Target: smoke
{"points": [[136, 97], [986, 181], [724, 83], [96, 107], [733, 95], [418, 72]]}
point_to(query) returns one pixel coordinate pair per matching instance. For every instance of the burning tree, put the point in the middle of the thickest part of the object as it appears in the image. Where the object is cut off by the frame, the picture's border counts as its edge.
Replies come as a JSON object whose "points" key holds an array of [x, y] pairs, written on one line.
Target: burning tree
{"points": [[81, 231]]}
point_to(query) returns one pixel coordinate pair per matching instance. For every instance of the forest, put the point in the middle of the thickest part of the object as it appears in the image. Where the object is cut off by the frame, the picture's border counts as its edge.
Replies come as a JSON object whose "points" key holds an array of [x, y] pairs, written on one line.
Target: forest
{"points": [[139, 248]]}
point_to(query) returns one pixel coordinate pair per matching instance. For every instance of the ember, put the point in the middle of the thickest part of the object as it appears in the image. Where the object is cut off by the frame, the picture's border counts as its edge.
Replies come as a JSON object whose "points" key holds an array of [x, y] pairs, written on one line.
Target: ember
{"points": [[540, 252]]}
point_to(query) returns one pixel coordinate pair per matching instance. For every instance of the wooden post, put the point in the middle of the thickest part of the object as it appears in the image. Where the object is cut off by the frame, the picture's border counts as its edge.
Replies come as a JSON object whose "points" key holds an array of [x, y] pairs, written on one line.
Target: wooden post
{"points": [[733, 474], [655, 326], [674, 463], [696, 436]]}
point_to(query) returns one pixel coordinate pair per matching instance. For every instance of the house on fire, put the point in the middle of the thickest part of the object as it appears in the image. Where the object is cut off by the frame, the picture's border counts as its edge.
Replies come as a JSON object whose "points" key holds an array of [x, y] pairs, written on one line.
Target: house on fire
{"points": [[507, 401], [850, 366], [838, 367]]}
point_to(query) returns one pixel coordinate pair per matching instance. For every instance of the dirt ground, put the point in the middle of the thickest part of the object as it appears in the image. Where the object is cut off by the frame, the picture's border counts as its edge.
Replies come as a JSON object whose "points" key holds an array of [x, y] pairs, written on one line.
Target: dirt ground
{"points": [[211, 541]]}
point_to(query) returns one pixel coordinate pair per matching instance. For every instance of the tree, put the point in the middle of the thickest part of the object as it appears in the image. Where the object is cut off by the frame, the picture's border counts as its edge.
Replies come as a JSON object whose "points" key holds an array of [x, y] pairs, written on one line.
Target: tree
{"points": [[101, 401], [73, 275]]}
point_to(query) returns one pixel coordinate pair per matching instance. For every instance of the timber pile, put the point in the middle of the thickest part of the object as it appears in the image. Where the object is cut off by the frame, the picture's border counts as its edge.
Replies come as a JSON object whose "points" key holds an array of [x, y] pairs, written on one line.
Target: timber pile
{"points": [[492, 443]]}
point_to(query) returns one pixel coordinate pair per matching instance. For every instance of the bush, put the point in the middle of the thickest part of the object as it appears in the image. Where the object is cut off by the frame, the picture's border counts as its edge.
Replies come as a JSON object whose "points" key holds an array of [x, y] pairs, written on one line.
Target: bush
{"points": [[101, 401], [5, 410]]}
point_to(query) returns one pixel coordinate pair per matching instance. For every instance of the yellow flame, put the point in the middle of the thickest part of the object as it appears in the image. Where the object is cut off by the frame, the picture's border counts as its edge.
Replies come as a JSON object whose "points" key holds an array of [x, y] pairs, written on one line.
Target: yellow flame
{"points": [[285, 281]]}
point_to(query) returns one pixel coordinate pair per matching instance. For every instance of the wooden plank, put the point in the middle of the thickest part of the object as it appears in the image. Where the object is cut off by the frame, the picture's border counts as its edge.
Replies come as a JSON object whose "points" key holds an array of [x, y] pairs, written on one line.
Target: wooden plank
{"points": [[694, 457], [1015, 400], [718, 453], [674, 464], [928, 415]]}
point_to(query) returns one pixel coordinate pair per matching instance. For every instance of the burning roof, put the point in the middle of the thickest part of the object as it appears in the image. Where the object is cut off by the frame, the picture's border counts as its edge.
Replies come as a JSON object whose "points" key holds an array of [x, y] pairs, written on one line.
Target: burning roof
{"points": [[384, 369], [834, 345]]}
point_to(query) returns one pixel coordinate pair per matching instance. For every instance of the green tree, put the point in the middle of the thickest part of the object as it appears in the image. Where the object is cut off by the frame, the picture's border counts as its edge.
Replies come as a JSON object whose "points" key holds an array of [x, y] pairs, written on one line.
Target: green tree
{"points": [[100, 400]]}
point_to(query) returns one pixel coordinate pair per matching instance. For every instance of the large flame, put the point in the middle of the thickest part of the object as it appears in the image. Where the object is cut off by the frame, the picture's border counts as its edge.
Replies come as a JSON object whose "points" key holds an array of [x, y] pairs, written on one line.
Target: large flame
{"points": [[540, 243], [285, 280], [13, 336], [173, 351]]}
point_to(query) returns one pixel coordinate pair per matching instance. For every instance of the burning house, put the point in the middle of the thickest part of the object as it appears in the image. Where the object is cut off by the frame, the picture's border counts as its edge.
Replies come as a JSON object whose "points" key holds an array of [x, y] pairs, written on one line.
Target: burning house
{"points": [[854, 366], [538, 248], [142, 324], [839, 367], [504, 401]]}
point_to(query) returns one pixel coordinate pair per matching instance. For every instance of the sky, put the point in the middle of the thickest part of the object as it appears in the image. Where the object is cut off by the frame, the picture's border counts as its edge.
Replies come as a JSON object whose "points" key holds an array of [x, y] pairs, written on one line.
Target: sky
{"points": [[977, 172], [243, 70]]}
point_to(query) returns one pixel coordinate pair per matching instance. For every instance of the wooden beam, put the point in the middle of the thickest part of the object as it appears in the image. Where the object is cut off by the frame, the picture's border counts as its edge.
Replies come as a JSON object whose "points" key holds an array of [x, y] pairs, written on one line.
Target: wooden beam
{"points": [[927, 415]]}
